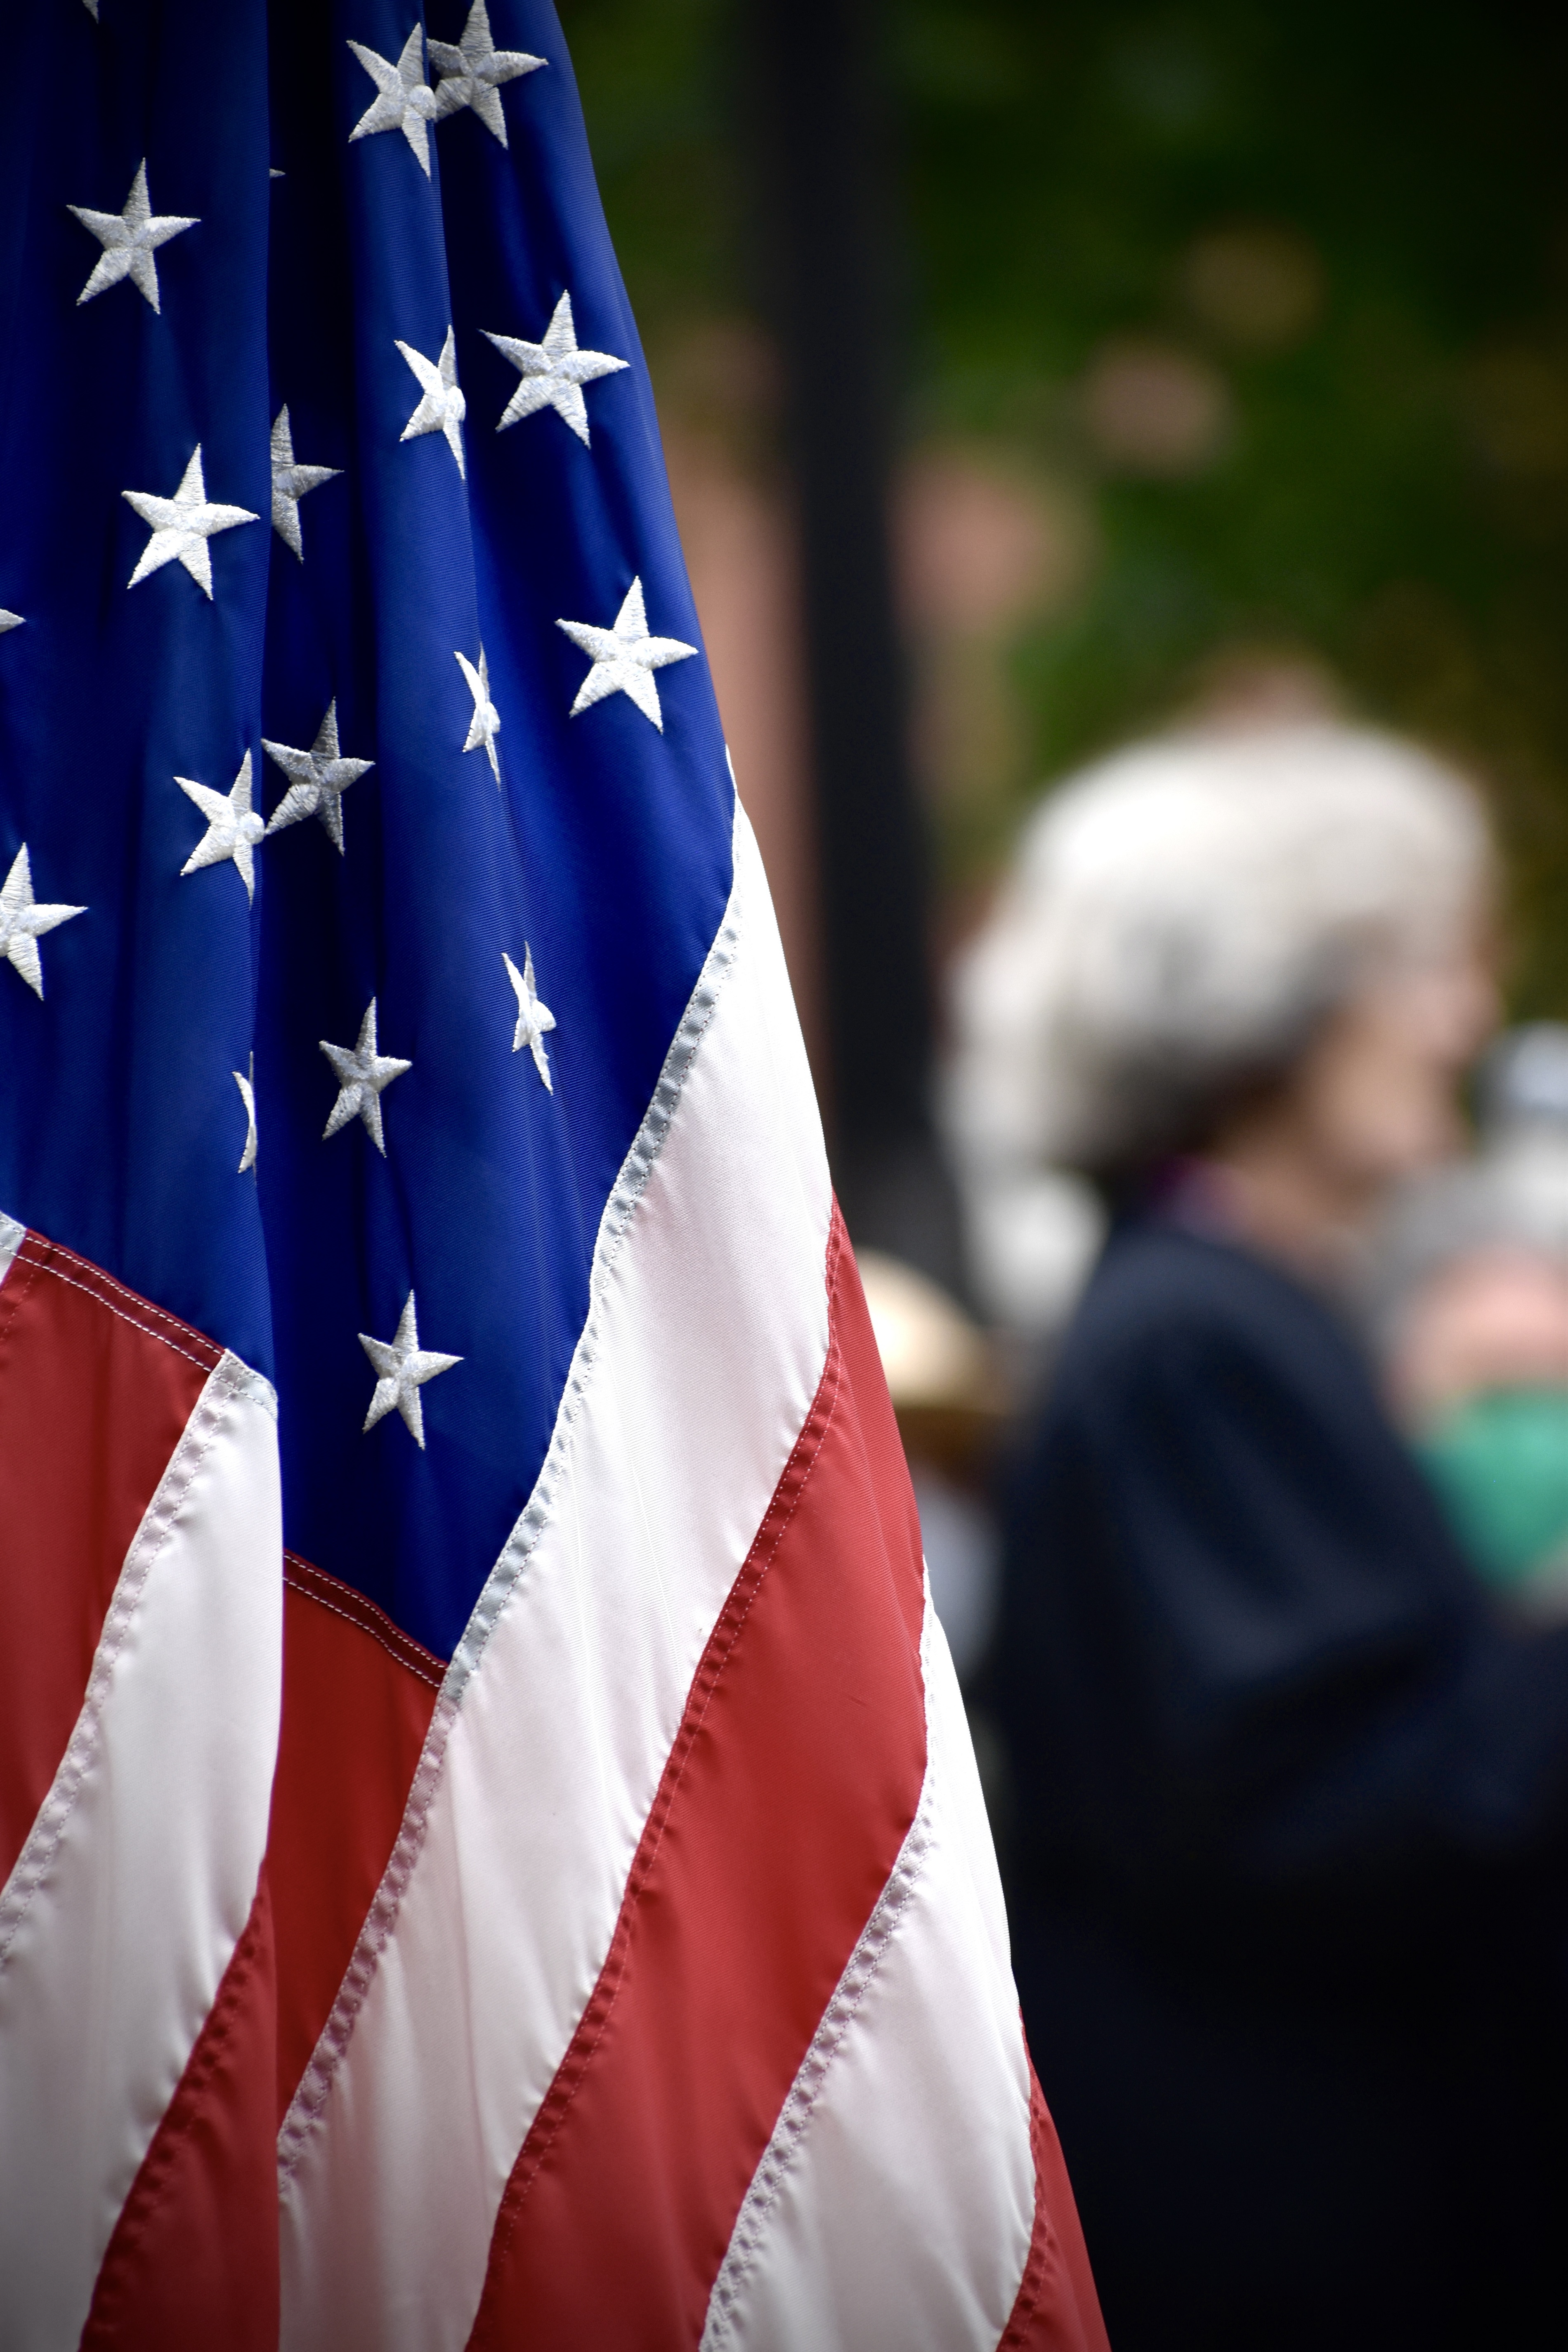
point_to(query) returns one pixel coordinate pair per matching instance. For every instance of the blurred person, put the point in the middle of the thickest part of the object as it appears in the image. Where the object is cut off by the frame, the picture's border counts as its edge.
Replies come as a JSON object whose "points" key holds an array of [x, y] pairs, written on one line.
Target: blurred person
{"points": [[1292, 1799], [1470, 1296]]}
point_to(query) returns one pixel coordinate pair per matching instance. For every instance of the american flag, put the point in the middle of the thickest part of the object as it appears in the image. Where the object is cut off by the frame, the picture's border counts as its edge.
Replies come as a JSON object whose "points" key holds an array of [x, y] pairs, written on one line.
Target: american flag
{"points": [[491, 1851]]}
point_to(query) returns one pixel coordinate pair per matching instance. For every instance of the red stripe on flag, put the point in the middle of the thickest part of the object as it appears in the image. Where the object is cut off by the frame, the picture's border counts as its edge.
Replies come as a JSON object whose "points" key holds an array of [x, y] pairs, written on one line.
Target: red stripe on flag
{"points": [[95, 1387], [358, 1695], [787, 1795], [193, 2263], [1058, 2309]]}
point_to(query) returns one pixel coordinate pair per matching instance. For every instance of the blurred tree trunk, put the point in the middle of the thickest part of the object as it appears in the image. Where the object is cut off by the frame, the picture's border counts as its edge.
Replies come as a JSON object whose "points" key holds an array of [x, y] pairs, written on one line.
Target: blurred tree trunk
{"points": [[823, 189]]}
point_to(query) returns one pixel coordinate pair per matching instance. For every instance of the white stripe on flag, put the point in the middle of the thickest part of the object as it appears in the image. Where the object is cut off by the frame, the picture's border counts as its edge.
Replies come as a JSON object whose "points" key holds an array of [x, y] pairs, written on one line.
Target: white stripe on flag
{"points": [[706, 1341], [896, 2201], [119, 1918]]}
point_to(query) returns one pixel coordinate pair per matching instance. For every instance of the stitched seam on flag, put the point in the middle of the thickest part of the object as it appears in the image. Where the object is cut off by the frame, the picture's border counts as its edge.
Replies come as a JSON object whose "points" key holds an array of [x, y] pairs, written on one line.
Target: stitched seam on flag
{"points": [[101, 1282], [397, 1646], [93, 1292], [630, 1186], [595, 2021], [1042, 2238], [432, 1677], [231, 1383], [784, 2147], [309, 2099], [107, 1282], [16, 1289], [149, 2192]]}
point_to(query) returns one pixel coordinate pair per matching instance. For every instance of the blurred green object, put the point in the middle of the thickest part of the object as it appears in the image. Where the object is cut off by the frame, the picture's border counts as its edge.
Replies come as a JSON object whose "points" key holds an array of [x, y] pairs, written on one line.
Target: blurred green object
{"points": [[1501, 1464], [1269, 301]]}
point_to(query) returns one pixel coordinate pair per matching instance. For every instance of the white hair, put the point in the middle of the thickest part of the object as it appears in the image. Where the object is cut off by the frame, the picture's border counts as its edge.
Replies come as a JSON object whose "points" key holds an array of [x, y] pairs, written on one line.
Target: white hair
{"points": [[1181, 919]]}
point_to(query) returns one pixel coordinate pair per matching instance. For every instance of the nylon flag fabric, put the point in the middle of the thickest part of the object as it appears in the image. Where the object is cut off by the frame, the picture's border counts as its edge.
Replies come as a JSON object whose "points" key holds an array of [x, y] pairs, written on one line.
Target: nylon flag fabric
{"points": [[491, 1851]]}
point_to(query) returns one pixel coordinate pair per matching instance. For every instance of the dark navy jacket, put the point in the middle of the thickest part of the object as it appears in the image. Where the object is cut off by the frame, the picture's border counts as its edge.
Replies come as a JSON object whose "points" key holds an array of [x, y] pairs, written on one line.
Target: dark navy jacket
{"points": [[1290, 1838]]}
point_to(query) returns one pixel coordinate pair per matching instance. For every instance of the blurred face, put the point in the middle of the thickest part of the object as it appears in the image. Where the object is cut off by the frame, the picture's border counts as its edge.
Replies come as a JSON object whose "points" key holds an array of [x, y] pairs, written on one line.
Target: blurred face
{"points": [[1371, 1102], [1374, 1099]]}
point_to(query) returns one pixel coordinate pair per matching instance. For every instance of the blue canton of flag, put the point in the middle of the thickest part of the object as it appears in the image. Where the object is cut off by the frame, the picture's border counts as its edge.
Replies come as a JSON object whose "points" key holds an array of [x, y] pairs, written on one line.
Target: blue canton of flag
{"points": [[349, 689]]}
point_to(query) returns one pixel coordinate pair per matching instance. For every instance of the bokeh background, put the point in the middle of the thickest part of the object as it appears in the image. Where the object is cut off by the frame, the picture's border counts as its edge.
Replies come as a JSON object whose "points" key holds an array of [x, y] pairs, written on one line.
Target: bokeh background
{"points": [[1179, 355]]}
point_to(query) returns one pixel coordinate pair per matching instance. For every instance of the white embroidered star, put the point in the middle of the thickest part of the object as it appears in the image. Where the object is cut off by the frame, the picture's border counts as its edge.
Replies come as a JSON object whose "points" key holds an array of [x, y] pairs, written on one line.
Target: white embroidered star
{"points": [[361, 1076], [234, 828], [291, 483], [485, 724], [553, 371], [320, 778], [181, 526], [247, 1096], [23, 921], [534, 1018], [404, 101], [129, 240], [9, 620], [473, 70], [443, 407], [624, 657], [402, 1368]]}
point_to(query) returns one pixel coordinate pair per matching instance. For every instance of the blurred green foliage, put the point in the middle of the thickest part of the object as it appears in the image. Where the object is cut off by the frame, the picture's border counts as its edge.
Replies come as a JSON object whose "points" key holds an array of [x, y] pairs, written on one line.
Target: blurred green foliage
{"points": [[1340, 232]]}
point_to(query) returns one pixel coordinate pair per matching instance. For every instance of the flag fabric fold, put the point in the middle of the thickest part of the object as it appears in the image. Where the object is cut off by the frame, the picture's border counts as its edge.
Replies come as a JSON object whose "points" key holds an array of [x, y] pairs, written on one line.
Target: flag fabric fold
{"points": [[492, 1849]]}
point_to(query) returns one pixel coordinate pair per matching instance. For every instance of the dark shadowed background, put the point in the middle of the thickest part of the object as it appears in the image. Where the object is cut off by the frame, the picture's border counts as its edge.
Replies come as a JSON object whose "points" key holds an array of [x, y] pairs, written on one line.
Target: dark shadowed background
{"points": [[1219, 351]]}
